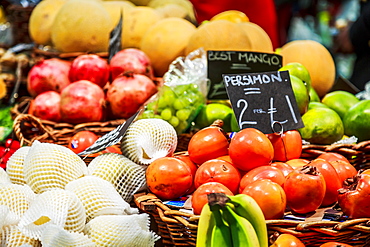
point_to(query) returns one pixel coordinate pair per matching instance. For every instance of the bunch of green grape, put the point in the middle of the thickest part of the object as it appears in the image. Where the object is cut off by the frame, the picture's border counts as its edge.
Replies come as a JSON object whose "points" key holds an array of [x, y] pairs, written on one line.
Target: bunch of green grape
{"points": [[177, 105]]}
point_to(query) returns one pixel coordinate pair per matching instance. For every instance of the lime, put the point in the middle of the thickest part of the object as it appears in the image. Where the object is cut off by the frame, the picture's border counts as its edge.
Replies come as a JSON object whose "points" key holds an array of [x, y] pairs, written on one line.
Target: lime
{"points": [[300, 71], [314, 97], [356, 121], [300, 93], [315, 104], [340, 101], [234, 123], [213, 111], [322, 126]]}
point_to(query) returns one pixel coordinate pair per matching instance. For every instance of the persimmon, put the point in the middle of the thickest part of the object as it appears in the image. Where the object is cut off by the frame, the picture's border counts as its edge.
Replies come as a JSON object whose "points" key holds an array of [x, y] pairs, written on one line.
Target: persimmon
{"points": [[287, 240], [193, 167], [332, 156], [250, 148], [221, 171], [297, 163], [344, 169], [284, 167], [168, 178], [262, 172], [335, 244], [199, 197], [287, 145]]}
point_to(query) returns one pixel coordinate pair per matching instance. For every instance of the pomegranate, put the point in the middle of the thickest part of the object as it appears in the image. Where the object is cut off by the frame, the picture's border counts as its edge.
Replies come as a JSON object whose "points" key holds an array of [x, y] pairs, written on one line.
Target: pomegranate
{"points": [[48, 75], [82, 101], [128, 93], [46, 106], [130, 60], [90, 67]]}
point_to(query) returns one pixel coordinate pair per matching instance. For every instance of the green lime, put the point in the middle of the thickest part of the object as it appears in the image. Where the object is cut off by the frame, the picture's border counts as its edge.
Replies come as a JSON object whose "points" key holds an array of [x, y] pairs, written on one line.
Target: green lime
{"points": [[322, 126], [300, 71], [211, 112], [357, 121], [300, 93], [340, 101], [234, 123], [314, 97], [314, 104]]}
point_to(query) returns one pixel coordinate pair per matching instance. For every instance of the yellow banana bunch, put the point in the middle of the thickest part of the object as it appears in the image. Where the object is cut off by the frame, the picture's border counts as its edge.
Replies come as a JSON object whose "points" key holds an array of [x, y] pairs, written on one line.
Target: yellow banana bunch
{"points": [[248, 208], [232, 221], [242, 231]]}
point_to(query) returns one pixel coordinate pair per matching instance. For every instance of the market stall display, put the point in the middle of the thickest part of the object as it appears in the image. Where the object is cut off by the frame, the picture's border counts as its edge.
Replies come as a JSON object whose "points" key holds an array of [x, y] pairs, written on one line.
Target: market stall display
{"points": [[125, 147]]}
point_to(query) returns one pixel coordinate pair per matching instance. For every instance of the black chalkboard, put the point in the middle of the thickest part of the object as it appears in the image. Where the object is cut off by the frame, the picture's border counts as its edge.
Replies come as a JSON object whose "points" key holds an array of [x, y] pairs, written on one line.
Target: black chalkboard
{"points": [[264, 101], [236, 62], [110, 138]]}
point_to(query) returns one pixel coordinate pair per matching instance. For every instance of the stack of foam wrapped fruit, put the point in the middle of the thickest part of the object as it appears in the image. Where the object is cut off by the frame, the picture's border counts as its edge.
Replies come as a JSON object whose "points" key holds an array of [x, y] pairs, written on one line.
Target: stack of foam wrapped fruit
{"points": [[50, 197]]}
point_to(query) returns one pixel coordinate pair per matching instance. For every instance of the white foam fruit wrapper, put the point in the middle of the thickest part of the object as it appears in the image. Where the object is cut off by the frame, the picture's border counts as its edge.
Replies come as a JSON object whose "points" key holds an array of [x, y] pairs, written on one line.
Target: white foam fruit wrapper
{"points": [[57, 236], [99, 197], [11, 235], [53, 207], [49, 166], [149, 139], [125, 175], [14, 166], [121, 230]]}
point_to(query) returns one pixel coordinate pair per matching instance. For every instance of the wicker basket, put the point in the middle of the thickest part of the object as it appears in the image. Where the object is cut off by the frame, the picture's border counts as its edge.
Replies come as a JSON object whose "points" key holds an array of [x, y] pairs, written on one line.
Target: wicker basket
{"points": [[180, 229]]}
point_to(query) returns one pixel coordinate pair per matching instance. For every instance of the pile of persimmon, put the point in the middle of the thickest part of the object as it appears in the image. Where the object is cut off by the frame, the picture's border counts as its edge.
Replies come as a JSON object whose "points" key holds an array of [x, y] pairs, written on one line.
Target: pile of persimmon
{"points": [[267, 167]]}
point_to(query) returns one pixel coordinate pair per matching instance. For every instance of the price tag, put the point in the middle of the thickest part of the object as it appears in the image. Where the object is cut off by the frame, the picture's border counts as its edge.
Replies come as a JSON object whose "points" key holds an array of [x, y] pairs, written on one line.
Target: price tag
{"points": [[236, 62], [264, 101], [110, 138]]}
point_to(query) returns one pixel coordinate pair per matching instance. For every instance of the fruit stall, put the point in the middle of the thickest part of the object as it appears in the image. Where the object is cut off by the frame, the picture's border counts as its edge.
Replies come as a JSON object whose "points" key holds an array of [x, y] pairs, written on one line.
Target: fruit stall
{"points": [[137, 126]]}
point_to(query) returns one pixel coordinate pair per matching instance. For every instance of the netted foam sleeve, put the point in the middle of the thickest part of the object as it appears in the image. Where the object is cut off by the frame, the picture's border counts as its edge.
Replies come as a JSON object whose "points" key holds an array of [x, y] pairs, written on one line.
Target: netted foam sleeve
{"points": [[14, 166], [49, 166], [11, 236], [16, 197], [7, 217], [53, 207], [4, 177], [149, 139], [99, 197], [57, 236], [121, 230], [126, 176]]}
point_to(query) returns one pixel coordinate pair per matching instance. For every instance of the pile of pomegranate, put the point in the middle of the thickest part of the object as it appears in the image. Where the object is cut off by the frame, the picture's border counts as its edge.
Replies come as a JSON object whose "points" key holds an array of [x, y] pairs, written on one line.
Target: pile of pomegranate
{"points": [[89, 89]]}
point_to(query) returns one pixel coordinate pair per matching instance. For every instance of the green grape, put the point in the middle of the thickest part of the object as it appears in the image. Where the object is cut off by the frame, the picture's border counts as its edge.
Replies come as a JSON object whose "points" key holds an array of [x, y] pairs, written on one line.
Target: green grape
{"points": [[181, 127], [169, 97], [147, 114], [157, 116], [174, 121], [166, 114], [151, 105], [161, 103], [180, 89], [183, 114], [179, 104]]}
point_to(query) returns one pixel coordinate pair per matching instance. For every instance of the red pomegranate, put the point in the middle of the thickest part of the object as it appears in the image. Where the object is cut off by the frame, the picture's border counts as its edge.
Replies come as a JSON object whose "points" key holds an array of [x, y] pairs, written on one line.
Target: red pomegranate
{"points": [[130, 60], [90, 67], [81, 102], [128, 93], [48, 75], [46, 106]]}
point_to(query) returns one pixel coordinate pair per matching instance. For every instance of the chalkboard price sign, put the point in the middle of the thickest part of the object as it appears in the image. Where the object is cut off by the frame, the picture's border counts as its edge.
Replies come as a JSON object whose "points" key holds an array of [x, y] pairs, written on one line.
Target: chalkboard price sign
{"points": [[236, 62], [264, 101]]}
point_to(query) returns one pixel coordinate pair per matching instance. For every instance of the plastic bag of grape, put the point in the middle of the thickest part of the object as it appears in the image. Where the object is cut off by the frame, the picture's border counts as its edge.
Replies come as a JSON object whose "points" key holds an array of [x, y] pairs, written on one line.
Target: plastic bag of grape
{"points": [[183, 93]]}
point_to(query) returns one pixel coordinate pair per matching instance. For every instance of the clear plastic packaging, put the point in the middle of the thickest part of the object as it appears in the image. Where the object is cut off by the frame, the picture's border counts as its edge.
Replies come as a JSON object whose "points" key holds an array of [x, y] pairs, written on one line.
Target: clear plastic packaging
{"points": [[183, 94]]}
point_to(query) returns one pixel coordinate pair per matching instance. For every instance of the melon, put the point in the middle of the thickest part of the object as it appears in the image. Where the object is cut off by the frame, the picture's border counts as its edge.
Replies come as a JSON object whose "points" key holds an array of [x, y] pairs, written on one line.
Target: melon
{"points": [[316, 58], [165, 41], [260, 40], [115, 8], [74, 30], [219, 35], [136, 23], [41, 21], [176, 6]]}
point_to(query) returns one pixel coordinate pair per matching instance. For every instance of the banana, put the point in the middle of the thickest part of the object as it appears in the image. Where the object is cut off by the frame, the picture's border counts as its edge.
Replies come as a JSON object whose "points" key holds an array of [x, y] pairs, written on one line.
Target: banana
{"points": [[242, 231], [221, 234], [205, 226], [248, 208]]}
